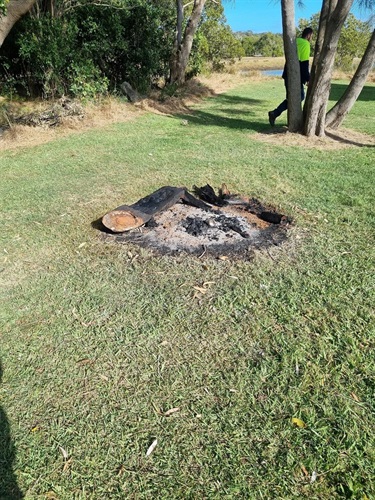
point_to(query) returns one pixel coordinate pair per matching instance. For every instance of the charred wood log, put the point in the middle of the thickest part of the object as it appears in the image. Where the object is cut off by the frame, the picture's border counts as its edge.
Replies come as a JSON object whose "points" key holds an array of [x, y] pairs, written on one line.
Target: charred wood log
{"points": [[207, 193], [256, 208], [268, 214], [127, 217]]}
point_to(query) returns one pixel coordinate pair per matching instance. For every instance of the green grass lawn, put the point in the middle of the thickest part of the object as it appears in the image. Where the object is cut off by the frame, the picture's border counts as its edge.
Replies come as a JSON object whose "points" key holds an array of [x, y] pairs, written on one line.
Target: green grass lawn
{"points": [[99, 340]]}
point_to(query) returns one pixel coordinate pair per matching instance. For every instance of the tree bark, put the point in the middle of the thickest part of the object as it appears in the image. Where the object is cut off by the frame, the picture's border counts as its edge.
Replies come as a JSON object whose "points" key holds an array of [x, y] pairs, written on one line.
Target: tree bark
{"points": [[15, 9], [336, 115], [127, 217], [183, 43], [293, 72], [333, 17]]}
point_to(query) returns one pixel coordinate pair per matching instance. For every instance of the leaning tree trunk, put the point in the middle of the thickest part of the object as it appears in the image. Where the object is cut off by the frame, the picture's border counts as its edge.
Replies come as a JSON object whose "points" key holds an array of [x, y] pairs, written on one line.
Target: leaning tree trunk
{"points": [[15, 9], [320, 83], [336, 115], [183, 43], [292, 63]]}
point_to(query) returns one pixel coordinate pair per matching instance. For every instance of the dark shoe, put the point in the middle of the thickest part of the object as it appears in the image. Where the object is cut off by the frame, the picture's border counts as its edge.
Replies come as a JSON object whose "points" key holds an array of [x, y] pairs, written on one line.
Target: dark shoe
{"points": [[271, 118]]}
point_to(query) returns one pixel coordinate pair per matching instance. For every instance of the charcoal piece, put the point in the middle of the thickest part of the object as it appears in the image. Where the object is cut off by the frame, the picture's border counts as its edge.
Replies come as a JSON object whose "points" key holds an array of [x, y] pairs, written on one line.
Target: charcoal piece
{"points": [[255, 207], [151, 223], [195, 226], [231, 224], [207, 194], [272, 217]]}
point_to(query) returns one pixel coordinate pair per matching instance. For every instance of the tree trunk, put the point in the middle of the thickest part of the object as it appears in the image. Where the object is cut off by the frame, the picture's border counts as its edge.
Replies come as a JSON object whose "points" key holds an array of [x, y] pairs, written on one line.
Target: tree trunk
{"points": [[15, 9], [127, 217], [182, 47], [293, 72], [320, 83], [336, 115]]}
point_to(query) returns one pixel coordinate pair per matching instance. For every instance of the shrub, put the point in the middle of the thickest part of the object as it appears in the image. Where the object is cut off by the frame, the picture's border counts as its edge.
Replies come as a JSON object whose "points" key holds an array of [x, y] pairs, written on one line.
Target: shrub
{"points": [[85, 53]]}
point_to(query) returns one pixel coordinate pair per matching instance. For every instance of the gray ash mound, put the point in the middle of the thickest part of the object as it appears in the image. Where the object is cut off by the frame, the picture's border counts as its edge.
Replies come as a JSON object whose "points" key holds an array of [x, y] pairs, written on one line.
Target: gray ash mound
{"points": [[227, 225]]}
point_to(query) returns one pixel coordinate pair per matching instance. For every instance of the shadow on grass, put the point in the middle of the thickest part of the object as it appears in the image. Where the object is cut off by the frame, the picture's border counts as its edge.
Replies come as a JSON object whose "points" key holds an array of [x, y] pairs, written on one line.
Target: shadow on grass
{"points": [[338, 89], [229, 111], [215, 119], [9, 489], [344, 140], [233, 100]]}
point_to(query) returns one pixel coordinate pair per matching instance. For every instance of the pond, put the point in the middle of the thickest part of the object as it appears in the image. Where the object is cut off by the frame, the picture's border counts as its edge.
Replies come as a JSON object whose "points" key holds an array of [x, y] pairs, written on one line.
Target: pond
{"points": [[272, 72]]}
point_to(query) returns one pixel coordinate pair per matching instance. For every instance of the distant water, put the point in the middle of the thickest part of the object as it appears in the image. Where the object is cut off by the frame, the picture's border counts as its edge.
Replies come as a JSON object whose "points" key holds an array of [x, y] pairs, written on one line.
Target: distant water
{"points": [[272, 72]]}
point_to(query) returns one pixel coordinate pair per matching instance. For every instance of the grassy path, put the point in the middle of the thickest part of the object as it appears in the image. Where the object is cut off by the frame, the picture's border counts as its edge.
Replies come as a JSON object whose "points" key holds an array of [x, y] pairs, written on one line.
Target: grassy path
{"points": [[98, 341]]}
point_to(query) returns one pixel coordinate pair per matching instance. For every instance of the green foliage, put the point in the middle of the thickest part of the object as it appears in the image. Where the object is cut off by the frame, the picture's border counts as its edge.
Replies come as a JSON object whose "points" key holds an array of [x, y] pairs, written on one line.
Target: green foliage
{"points": [[219, 44], [129, 45], [86, 80], [44, 55], [248, 43], [197, 55], [90, 51], [269, 45], [3, 6], [265, 44], [353, 41], [215, 42]]}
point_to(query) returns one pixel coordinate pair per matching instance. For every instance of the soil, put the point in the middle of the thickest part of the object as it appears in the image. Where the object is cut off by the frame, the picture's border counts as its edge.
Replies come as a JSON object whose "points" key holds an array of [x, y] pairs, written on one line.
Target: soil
{"points": [[334, 139]]}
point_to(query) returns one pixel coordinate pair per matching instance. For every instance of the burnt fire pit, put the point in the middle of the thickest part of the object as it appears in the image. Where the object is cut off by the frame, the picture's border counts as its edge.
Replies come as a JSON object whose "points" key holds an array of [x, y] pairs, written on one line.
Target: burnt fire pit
{"points": [[171, 220]]}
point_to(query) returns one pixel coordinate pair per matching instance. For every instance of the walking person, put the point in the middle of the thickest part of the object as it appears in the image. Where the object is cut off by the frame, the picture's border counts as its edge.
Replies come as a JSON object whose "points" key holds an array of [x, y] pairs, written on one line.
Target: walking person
{"points": [[303, 51]]}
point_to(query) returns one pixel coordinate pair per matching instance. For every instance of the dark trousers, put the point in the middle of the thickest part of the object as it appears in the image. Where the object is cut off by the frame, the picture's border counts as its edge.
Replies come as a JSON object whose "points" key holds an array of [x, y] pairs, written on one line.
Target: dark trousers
{"points": [[283, 106]]}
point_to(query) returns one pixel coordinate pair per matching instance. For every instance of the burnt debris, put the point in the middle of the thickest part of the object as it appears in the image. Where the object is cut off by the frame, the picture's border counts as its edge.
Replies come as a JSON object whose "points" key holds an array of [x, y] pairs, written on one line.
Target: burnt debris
{"points": [[171, 220]]}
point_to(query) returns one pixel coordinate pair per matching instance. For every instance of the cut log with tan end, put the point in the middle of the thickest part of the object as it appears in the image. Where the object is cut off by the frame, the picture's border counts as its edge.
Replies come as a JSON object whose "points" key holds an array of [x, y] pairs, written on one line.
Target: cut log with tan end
{"points": [[125, 219], [128, 217]]}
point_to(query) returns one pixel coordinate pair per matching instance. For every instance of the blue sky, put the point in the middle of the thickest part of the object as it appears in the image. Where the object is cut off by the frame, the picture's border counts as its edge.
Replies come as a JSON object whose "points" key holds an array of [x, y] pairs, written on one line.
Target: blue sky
{"points": [[265, 15]]}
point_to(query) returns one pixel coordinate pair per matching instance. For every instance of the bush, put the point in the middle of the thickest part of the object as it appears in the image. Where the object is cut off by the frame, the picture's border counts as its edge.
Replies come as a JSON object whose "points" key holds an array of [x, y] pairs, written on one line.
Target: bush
{"points": [[89, 52]]}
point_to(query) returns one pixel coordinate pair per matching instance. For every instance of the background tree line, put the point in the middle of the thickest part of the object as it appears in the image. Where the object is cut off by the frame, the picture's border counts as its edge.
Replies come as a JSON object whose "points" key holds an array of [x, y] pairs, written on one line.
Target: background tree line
{"points": [[353, 41], [63, 47]]}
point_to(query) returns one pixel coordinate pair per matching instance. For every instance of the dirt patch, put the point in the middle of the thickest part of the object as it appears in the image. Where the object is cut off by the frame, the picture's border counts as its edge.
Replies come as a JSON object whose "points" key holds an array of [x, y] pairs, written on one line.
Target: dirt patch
{"points": [[333, 140], [18, 135], [191, 93]]}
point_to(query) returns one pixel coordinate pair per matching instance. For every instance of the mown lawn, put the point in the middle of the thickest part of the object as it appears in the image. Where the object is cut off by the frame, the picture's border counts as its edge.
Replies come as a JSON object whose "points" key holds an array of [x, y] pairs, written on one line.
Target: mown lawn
{"points": [[99, 340]]}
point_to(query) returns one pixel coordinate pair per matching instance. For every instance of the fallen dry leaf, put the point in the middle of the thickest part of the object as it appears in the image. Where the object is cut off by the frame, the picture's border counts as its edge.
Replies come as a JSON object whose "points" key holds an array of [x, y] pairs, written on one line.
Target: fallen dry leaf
{"points": [[84, 361], [50, 495], [64, 452], [151, 448], [171, 411], [355, 397], [121, 470], [304, 470], [67, 465]]}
